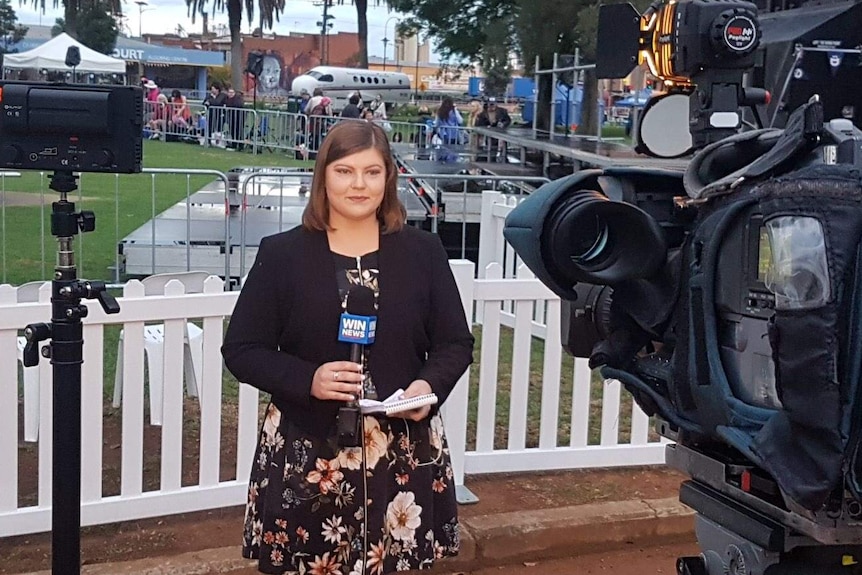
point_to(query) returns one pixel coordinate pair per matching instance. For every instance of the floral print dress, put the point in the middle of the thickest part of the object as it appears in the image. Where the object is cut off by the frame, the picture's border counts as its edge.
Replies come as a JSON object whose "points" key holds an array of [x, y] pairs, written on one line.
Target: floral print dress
{"points": [[311, 509]]}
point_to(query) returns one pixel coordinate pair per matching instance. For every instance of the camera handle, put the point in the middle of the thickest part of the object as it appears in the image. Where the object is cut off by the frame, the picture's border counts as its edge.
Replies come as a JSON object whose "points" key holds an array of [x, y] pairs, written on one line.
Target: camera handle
{"points": [[66, 352]]}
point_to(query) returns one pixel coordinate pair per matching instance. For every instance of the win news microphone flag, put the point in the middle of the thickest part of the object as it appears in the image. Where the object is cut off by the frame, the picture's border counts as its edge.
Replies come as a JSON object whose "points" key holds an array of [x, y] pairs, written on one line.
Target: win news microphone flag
{"points": [[358, 323]]}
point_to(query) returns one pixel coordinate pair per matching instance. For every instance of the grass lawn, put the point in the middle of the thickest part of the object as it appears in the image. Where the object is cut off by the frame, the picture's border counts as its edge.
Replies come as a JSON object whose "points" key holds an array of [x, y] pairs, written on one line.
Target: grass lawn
{"points": [[122, 203]]}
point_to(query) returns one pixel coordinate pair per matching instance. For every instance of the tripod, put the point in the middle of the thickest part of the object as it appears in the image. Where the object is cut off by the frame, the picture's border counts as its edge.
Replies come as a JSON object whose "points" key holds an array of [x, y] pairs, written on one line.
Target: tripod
{"points": [[66, 354]]}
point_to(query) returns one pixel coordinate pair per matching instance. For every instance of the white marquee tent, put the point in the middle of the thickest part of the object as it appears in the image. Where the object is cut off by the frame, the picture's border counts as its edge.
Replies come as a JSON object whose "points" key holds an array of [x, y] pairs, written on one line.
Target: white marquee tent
{"points": [[52, 56]]}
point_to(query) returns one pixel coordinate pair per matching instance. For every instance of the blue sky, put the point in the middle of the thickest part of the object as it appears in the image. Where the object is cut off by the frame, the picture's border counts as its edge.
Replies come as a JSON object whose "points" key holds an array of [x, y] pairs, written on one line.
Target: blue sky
{"points": [[163, 16]]}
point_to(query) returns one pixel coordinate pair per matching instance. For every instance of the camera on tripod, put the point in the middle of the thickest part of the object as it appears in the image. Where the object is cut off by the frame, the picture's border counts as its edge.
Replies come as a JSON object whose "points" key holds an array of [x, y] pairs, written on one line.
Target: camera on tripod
{"points": [[727, 300]]}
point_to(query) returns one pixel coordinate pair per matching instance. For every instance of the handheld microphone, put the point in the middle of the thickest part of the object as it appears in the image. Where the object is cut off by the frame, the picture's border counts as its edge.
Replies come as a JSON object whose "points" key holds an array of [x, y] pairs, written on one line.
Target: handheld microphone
{"points": [[358, 323], [357, 326]]}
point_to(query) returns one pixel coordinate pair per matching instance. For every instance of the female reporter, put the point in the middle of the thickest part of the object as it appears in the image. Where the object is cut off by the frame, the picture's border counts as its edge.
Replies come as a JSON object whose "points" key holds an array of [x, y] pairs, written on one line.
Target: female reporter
{"points": [[314, 506]]}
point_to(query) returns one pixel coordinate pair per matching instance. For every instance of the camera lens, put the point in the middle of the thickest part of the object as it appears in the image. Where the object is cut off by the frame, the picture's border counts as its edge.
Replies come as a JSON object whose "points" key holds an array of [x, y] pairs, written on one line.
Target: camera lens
{"points": [[590, 242], [589, 238]]}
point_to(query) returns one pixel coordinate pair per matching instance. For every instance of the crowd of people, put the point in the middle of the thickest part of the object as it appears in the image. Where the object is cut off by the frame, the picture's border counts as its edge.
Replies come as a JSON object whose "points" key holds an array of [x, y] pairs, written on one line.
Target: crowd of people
{"points": [[171, 117], [222, 121]]}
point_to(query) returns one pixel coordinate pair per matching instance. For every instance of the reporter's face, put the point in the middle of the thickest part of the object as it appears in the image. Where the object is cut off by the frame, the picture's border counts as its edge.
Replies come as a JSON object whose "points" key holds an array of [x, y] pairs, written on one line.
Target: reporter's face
{"points": [[355, 186]]}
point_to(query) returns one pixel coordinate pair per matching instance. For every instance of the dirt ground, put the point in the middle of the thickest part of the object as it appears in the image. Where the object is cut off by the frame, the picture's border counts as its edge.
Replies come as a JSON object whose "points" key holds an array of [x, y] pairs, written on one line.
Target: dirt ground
{"points": [[12, 199], [630, 560], [176, 534]]}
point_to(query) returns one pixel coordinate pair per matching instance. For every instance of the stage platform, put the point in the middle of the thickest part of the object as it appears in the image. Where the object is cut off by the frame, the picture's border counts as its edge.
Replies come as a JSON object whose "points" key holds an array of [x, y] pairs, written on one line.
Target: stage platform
{"points": [[436, 173], [220, 235], [584, 152]]}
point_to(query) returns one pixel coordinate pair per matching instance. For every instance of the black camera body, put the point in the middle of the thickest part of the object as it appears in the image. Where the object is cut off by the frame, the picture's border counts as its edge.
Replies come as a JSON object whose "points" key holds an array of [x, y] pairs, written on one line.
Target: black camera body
{"points": [[726, 300]]}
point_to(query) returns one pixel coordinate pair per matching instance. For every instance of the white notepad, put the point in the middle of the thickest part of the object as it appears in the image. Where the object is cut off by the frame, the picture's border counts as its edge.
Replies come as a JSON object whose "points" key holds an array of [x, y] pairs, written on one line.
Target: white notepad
{"points": [[394, 403]]}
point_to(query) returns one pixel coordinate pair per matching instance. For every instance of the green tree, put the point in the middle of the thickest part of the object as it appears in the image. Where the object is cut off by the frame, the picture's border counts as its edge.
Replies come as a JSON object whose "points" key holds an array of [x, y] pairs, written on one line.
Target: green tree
{"points": [[268, 10], [97, 28], [460, 26], [58, 28], [11, 31], [362, 25], [496, 57], [544, 29], [586, 33], [71, 9], [467, 29]]}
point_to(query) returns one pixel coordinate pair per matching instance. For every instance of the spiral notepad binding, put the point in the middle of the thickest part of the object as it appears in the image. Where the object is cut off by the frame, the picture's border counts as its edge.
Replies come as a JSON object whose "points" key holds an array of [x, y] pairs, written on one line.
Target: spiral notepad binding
{"points": [[391, 405], [408, 404]]}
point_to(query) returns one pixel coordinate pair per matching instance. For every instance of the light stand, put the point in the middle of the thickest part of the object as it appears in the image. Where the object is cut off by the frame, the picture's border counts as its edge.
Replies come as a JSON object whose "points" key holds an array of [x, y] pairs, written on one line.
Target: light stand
{"points": [[66, 352], [73, 58]]}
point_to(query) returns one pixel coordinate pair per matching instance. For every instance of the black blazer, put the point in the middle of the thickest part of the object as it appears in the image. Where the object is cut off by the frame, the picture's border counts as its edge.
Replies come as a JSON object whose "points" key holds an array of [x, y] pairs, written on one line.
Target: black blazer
{"points": [[285, 324]]}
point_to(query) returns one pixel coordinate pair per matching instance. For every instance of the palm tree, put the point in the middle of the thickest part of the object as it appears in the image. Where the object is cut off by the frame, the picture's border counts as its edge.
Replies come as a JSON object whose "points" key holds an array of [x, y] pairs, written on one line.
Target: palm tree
{"points": [[71, 8], [269, 12], [362, 26]]}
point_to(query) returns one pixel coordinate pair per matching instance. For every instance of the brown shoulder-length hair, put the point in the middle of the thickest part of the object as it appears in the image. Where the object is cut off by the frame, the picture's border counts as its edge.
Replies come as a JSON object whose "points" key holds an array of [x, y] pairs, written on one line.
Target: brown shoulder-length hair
{"points": [[345, 139]]}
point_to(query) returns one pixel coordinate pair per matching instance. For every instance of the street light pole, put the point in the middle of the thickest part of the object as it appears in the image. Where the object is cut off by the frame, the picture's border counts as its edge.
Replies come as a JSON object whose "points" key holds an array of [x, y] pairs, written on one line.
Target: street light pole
{"points": [[141, 4], [386, 40], [416, 74]]}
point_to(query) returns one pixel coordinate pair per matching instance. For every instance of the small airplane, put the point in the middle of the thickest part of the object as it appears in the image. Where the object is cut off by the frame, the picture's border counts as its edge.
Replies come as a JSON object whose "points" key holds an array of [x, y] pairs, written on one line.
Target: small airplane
{"points": [[340, 83]]}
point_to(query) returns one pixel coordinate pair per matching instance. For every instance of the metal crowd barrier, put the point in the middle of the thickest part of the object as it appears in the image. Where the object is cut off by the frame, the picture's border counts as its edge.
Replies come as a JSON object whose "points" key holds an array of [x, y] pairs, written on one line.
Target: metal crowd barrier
{"points": [[271, 130]]}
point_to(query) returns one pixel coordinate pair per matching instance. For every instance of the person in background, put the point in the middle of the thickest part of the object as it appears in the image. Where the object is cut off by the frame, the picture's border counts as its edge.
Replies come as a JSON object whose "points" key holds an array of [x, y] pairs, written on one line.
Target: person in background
{"points": [[359, 101], [351, 110], [426, 119], [151, 97], [159, 119], [378, 106], [474, 109], [448, 122], [315, 506], [214, 103], [235, 118], [494, 117], [316, 105], [304, 97], [180, 113], [318, 110], [151, 91]]}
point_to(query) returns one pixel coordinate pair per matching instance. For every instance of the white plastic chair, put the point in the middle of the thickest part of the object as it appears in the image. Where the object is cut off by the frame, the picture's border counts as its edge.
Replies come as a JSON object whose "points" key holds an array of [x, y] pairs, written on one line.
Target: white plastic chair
{"points": [[154, 343], [27, 293]]}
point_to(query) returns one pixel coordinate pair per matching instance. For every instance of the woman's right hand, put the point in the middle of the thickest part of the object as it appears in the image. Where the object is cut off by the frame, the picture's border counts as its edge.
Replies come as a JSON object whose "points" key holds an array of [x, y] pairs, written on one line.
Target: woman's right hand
{"points": [[337, 380]]}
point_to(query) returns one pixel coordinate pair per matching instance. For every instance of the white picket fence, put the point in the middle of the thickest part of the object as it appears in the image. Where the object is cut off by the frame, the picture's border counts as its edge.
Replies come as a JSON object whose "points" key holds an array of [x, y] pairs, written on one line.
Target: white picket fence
{"points": [[502, 304]]}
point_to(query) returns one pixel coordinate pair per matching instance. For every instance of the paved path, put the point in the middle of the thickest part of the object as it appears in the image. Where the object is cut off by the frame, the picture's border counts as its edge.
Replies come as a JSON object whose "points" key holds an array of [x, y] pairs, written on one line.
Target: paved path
{"points": [[635, 560]]}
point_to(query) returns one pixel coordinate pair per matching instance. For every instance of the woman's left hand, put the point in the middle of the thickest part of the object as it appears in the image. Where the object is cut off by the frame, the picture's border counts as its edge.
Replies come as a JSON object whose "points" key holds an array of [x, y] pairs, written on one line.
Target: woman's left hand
{"points": [[415, 389]]}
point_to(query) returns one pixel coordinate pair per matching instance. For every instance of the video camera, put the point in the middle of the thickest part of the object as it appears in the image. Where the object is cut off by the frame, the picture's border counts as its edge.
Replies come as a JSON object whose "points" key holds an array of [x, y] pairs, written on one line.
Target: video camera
{"points": [[727, 299]]}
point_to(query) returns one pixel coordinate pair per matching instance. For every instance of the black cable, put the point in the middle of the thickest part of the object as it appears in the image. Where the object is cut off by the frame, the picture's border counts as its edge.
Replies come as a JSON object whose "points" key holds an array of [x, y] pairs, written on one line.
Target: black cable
{"points": [[364, 469]]}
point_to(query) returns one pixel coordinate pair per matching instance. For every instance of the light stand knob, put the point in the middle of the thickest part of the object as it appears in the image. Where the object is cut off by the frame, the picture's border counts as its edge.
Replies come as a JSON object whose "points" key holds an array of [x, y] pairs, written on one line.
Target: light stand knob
{"points": [[34, 333]]}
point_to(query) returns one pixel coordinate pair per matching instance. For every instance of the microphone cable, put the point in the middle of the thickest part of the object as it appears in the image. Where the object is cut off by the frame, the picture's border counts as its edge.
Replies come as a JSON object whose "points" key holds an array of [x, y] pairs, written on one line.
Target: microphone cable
{"points": [[364, 469]]}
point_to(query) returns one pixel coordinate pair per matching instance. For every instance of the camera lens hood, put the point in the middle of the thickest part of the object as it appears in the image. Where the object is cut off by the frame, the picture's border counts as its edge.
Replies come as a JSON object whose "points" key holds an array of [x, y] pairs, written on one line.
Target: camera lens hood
{"points": [[589, 238]]}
